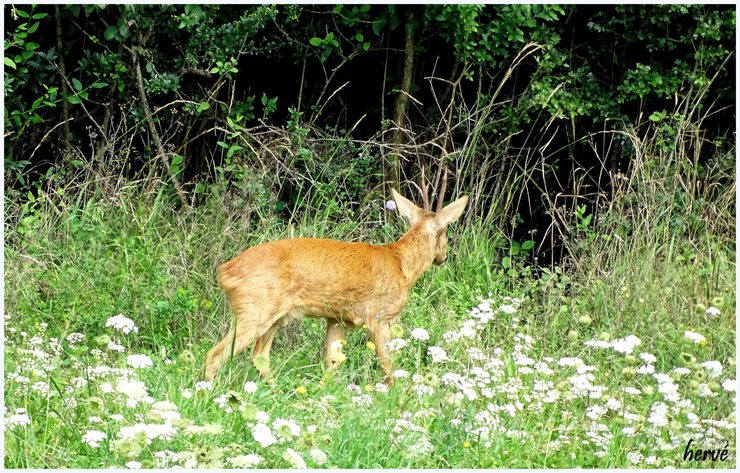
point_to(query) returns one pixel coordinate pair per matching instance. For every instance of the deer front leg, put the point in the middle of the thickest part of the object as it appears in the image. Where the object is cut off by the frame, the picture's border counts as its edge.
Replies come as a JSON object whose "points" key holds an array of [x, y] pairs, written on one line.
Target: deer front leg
{"points": [[334, 332], [380, 332]]}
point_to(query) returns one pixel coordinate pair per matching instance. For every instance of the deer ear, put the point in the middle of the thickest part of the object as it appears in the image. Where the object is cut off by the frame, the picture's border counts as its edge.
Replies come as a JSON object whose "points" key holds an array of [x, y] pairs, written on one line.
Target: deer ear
{"points": [[452, 212], [406, 208]]}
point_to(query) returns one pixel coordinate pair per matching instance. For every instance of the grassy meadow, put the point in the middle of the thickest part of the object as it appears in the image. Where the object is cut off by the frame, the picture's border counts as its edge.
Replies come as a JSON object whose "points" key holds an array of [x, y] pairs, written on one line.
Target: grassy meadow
{"points": [[622, 357]]}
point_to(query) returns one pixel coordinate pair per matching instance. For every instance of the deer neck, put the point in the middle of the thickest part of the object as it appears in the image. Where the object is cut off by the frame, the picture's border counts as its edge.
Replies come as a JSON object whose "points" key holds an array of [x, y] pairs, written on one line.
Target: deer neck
{"points": [[415, 250]]}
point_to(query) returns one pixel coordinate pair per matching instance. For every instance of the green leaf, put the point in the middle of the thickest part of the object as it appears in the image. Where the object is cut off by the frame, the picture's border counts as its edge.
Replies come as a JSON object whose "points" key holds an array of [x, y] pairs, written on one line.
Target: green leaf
{"points": [[365, 8], [506, 262], [77, 84], [99, 85], [22, 14], [528, 245], [33, 27], [512, 273], [110, 32], [73, 99], [379, 25], [366, 45], [315, 41], [195, 10], [9, 62], [38, 16], [232, 150], [203, 106]]}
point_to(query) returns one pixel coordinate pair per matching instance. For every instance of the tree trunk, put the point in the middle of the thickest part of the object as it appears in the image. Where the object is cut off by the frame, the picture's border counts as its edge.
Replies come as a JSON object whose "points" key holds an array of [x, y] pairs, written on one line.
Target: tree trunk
{"points": [[402, 102]]}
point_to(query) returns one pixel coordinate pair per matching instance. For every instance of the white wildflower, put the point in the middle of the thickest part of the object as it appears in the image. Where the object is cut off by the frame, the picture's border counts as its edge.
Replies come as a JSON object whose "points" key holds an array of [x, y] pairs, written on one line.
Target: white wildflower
{"points": [[262, 417], [204, 385], [420, 334], [152, 431], [223, 403], [713, 312], [113, 346], [245, 461], [400, 374], [75, 338], [648, 358], [295, 459], [263, 435], [139, 361], [658, 415], [697, 338], [122, 323], [635, 457], [626, 345], [318, 456], [594, 412], [164, 406], [17, 419], [93, 438], [713, 368], [438, 354], [250, 387], [396, 344], [135, 390], [286, 429], [133, 465], [729, 385], [507, 309], [362, 400]]}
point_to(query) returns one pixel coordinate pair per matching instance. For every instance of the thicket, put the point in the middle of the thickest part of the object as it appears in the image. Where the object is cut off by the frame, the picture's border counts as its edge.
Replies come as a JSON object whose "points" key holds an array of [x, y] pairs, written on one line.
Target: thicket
{"points": [[506, 102]]}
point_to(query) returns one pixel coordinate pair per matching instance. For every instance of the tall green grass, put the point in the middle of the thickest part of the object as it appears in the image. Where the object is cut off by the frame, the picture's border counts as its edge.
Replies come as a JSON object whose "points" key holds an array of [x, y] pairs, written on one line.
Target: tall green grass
{"points": [[540, 383]]}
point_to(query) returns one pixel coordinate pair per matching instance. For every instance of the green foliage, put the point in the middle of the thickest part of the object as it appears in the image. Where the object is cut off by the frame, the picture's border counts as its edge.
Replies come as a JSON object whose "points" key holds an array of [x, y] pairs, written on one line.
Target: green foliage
{"points": [[28, 72], [490, 35], [569, 85]]}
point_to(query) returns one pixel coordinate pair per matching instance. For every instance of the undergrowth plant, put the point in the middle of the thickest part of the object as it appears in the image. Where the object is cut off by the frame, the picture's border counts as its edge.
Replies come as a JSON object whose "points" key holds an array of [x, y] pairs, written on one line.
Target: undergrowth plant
{"points": [[622, 356]]}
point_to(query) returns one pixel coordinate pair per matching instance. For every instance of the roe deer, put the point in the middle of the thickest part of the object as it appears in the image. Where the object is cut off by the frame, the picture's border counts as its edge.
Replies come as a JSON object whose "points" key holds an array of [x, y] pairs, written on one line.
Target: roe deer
{"points": [[349, 284]]}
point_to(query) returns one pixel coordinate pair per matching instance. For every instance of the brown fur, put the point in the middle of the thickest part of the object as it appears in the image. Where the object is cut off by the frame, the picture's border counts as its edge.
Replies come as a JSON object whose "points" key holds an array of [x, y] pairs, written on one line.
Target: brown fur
{"points": [[349, 284]]}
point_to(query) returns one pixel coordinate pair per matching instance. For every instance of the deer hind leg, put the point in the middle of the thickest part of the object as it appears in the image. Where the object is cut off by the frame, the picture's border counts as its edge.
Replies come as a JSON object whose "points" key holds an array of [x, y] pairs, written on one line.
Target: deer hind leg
{"points": [[261, 353], [253, 319]]}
